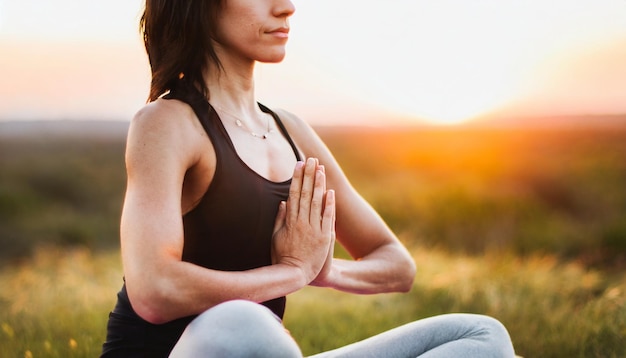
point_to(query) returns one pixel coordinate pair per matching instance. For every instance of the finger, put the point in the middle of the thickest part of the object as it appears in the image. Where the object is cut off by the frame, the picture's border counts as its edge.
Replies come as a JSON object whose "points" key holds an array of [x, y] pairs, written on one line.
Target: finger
{"points": [[331, 247], [333, 235], [306, 191], [323, 169], [317, 201], [280, 217], [293, 200], [328, 217]]}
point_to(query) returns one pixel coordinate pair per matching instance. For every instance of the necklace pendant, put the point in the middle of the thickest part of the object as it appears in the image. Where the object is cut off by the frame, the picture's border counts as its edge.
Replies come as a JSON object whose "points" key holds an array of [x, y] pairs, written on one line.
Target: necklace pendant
{"points": [[263, 136], [239, 123]]}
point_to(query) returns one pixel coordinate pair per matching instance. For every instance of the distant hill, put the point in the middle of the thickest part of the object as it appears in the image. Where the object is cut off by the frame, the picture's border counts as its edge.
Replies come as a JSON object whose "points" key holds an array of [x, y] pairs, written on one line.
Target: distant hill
{"points": [[571, 121], [64, 128], [109, 129]]}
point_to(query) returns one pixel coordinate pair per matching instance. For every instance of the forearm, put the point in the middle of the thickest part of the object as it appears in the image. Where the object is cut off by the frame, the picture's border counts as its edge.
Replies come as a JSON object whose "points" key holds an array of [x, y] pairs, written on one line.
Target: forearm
{"points": [[182, 289], [162, 287], [388, 269]]}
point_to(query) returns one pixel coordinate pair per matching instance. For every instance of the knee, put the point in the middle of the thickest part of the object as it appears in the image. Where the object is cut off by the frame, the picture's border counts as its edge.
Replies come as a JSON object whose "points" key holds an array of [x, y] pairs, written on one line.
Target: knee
{"points": [[235, 312], [494, 334], [237, 328], [493, 326]]}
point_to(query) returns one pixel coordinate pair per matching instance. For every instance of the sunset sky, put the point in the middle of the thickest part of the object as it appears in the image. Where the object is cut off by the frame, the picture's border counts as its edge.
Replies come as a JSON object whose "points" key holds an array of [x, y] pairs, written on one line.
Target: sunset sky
{"points": [[348, 62]]}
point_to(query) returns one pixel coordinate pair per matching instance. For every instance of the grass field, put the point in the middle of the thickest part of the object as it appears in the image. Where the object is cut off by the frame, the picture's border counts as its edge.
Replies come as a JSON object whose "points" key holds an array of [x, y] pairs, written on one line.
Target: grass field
{"points": [[56, 304], [528, 226]]}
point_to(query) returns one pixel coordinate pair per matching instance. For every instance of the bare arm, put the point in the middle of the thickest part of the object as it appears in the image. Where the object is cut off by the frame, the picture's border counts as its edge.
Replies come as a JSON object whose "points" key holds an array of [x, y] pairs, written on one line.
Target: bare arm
{"points": [[163, 144], [381, 263]]}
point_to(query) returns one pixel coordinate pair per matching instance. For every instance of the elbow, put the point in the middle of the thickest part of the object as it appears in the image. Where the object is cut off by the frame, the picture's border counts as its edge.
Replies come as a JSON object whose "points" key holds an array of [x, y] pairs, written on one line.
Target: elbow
{"points": [[401, 270], [407, 276], [149, 303], [150, 312]]}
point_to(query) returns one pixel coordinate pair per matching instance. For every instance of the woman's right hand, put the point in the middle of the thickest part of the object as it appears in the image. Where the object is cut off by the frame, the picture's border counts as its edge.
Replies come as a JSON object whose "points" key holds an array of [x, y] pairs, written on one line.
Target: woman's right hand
{"points": [[304, 227]]}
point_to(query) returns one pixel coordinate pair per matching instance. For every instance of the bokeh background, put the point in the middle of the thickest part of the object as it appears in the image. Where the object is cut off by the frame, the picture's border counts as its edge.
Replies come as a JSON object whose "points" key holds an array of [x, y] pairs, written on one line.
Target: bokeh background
{"points": [[490, 135], [349, 61]]}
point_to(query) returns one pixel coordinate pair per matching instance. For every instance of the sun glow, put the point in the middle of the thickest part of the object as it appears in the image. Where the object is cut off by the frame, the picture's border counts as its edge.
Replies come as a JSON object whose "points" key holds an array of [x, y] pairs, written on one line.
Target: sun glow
{"points": [[453, 93], [349, 62], [450, 61]]}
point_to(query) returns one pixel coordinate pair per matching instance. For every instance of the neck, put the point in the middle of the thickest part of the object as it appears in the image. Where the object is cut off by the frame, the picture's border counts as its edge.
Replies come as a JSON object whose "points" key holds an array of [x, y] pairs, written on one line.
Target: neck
{"points": [[232, 88]]}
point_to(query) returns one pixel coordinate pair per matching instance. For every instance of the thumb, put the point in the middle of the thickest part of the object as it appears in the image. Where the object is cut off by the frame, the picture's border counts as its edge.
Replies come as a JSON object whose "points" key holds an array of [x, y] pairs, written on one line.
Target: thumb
{"points": [[280, 217]]}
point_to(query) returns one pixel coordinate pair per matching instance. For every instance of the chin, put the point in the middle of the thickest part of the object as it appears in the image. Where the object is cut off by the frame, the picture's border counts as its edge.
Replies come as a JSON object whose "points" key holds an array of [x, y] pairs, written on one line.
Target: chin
{"points": [[277, 60], [272, 57]]}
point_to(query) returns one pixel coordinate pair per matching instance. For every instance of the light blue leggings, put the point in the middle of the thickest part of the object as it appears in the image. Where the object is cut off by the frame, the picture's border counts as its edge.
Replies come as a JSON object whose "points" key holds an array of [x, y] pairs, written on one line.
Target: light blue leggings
{"points": [[245, 329]]}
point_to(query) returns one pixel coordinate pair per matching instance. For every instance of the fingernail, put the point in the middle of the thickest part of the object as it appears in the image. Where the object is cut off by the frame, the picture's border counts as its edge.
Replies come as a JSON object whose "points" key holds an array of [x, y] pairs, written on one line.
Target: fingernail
{"points": [[299, 164]]}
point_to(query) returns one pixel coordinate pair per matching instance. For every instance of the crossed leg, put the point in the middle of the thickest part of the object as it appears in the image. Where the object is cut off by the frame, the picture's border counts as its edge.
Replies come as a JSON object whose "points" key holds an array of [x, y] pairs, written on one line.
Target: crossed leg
{"points": [[246, 329]]}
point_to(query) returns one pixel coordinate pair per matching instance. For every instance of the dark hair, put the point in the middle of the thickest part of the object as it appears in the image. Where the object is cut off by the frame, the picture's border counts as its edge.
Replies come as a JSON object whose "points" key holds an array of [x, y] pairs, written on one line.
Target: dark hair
{"points": [[177, 36]]}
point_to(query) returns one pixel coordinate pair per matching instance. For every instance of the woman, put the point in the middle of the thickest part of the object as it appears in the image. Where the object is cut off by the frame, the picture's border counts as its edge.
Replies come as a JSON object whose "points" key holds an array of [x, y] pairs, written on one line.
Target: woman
{"points": [[218, 227]]}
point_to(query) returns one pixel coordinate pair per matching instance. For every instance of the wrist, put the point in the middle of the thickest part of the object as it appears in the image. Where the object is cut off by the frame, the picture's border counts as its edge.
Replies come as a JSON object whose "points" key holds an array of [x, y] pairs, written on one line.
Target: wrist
{"points": [[296, 275], [328, 277]]}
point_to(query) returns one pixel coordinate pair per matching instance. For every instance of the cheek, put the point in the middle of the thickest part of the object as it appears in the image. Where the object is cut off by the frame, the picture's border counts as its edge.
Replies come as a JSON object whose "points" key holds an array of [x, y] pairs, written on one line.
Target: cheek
{"points": [[241, 31]]}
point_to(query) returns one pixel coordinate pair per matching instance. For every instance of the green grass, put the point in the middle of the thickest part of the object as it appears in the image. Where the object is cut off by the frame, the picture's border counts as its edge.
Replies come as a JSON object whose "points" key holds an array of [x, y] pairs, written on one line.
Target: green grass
{"points": [[62, 191], [526, 226], [527, 191], [550, 309], [56, 304]]}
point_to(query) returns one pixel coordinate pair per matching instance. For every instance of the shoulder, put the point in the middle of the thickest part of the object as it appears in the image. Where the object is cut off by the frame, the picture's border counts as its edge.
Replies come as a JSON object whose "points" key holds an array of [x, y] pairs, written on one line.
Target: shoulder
{"points": [[301, 132], [164, 126], [292, 122], [162, 116], [310, 143]]}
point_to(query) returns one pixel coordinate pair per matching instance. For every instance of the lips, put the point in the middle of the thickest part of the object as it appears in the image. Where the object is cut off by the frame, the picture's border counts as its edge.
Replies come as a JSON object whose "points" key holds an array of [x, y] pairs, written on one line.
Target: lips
{"points": [[279, 32]]}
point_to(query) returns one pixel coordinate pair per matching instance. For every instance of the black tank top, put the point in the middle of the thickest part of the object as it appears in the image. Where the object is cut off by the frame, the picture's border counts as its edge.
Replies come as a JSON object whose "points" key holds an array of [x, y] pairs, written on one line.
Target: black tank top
{"points": [[230, 229]]}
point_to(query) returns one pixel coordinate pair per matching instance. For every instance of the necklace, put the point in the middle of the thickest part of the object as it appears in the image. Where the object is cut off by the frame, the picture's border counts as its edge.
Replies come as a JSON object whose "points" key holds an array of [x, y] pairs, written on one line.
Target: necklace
{"points": [[241, 125]]}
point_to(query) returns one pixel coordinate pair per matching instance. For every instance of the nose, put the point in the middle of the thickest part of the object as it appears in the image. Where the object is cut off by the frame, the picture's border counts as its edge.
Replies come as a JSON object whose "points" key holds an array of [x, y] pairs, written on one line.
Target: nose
{"points": [[284, 8]]}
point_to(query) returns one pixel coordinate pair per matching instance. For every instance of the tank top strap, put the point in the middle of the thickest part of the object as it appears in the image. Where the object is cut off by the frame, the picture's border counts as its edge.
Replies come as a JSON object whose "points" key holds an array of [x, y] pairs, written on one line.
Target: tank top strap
{"points": [[206, 114], [283, 130], [210, 119]]}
